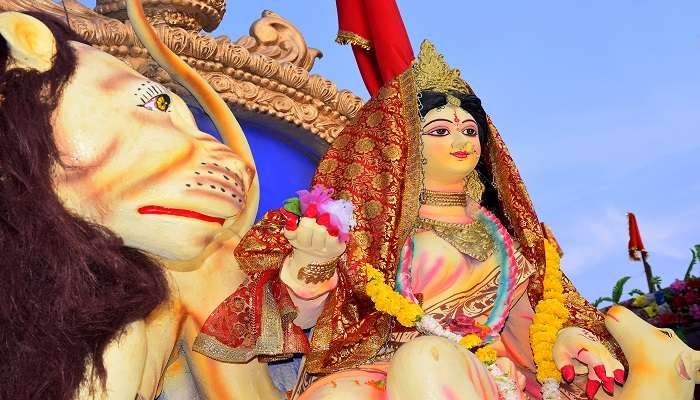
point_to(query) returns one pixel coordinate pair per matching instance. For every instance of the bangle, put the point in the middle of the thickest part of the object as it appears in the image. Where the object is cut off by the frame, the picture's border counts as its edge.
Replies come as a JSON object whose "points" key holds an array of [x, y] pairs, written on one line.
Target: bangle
{"points": [[316, 273]]}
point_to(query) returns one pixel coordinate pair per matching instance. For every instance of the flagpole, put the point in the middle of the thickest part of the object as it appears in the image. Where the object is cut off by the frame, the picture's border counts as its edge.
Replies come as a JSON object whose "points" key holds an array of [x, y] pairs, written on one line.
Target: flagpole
{"points": [[636, 248], [647, 271]]}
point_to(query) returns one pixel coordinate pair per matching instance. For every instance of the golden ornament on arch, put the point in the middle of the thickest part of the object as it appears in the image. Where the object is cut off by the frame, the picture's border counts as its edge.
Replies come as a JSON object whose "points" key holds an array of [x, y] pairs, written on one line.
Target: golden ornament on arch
{"points": [[193, 15]]}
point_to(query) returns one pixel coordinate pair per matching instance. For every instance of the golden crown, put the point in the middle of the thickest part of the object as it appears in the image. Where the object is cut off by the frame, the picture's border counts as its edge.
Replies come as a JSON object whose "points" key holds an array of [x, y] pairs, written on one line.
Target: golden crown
{"points": [[431, 72]]}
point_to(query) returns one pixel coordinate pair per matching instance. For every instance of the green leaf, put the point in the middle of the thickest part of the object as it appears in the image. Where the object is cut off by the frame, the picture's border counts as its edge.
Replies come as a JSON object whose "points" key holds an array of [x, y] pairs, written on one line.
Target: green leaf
{"points": [[617, 289], [293, 206], [656, 281], [599, 300], [695, 255]]}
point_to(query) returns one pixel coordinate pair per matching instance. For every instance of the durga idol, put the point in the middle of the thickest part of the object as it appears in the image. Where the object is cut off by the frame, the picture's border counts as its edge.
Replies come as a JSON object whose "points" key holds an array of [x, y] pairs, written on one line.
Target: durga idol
{"points": [[447, 287]]}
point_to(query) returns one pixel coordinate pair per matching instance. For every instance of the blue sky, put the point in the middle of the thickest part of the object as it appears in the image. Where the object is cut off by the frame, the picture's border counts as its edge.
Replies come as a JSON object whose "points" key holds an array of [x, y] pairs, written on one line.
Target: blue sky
{"points": [[599, 103]]}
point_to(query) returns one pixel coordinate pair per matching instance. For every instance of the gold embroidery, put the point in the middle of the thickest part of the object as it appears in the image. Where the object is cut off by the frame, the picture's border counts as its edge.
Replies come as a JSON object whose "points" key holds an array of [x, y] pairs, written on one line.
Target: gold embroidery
{"points": [[327, 166], [372, 208], [363, 239], [391, 152], [433, 73], [341, 141], [270, 342], [317, 273], [381, 181], [473, 186], [472, 239], [374, 119], [352, 38], [353, 170], [364, 145]]}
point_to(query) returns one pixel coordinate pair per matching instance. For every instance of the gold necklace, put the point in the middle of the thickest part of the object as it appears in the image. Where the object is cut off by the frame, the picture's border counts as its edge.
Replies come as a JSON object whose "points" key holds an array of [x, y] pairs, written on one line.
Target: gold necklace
{"points": [[444, 199], [472, 239]]}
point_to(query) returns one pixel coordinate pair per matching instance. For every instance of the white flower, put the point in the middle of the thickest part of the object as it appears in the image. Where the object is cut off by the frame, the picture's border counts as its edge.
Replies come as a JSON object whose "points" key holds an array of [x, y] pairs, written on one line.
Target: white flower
{"points": [[506, 386], [341, 212], [550, 390]]}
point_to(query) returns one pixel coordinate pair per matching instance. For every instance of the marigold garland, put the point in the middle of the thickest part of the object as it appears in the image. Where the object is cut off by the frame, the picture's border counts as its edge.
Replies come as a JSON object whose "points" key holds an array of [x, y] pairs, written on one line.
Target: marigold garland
{"points": [[470, 341], [388, 301], [549, 318], [408, 313]]}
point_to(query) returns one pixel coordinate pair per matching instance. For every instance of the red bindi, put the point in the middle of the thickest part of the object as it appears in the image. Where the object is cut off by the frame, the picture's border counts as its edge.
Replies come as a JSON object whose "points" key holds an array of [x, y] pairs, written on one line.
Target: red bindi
{"points": [[456, 119]]}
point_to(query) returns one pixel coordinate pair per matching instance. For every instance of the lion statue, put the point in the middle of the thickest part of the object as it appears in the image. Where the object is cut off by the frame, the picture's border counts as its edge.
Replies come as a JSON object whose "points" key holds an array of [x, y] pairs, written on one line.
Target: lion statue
{"points": [[117, 222]]}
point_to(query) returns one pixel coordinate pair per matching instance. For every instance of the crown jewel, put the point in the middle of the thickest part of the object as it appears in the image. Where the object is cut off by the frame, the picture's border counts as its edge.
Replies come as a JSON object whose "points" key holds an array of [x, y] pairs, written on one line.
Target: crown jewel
{"points": [[431, 72]]}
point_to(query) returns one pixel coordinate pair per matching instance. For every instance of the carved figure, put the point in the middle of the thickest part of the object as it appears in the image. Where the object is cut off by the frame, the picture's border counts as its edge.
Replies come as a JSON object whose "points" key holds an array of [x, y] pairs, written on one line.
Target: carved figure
{"points": [[661, 366], [444, 218], [119, 218]]}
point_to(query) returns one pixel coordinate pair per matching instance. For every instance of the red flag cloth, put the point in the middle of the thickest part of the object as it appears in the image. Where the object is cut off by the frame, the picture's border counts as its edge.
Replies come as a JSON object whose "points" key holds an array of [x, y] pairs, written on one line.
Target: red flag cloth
{"points": [[635, 245], [378, 37]]}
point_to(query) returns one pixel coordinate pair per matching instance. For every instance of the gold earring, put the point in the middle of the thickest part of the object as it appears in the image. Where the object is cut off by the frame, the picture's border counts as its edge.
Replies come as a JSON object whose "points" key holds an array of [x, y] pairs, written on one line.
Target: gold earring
{"points": [[473, 186]]}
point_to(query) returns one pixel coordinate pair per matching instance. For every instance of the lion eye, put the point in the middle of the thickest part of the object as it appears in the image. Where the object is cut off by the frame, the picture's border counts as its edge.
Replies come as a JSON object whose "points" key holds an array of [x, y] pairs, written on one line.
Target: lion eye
{"points": [[667, 333], [160, 102]]}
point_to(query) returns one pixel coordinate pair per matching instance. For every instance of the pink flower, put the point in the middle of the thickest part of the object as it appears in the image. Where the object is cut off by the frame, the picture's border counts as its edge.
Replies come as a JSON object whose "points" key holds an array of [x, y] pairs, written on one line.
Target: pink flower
{"points": [[335, 215], [678, 285], [691, 297], [694, 311], [318, 195]]}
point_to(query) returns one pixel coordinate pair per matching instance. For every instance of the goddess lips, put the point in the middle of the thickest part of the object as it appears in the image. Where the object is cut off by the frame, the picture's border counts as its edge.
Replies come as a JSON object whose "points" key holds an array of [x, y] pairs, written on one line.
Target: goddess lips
{"points": [[180, 213], [460, 154]]}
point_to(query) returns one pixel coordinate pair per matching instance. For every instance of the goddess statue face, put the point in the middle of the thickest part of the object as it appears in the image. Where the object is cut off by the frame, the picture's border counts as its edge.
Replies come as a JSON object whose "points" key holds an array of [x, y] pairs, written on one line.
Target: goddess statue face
{"points": [[135, 162], [451, 145]]}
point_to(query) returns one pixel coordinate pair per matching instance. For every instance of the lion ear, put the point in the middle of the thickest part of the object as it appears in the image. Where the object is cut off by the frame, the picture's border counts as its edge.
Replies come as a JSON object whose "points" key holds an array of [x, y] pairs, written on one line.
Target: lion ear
{"points": [[30, 42]]}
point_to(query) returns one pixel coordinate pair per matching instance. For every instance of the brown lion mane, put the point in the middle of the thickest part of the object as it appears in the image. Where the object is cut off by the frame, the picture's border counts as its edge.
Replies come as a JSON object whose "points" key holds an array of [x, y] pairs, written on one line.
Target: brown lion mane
{"points": [[67, 286]]}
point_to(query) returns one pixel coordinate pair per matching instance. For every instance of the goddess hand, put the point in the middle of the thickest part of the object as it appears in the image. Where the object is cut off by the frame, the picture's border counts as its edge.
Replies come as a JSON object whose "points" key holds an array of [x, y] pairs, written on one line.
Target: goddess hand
{"points": [[577, 352], [312, 242]]}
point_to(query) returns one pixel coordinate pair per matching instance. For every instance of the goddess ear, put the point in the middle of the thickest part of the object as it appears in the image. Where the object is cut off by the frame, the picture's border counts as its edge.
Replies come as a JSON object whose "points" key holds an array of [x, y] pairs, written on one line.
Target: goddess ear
{"points": [[31, 43]]}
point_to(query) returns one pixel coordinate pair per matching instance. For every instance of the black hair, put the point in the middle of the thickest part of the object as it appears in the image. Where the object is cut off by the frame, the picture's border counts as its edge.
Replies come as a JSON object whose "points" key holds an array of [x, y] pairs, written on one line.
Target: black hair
{"points": [[429, 100]]}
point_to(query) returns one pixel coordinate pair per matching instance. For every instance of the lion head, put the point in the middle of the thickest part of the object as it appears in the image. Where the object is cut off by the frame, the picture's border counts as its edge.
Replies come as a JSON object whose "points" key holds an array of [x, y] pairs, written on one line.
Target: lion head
{"points": [[133, 160], [101, 170]]}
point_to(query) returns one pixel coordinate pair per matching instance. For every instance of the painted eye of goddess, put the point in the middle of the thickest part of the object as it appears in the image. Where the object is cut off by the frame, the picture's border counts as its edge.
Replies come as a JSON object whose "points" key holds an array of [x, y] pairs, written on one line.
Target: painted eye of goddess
{"points": [[470, 132], [438, 132], [159, 102]]}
